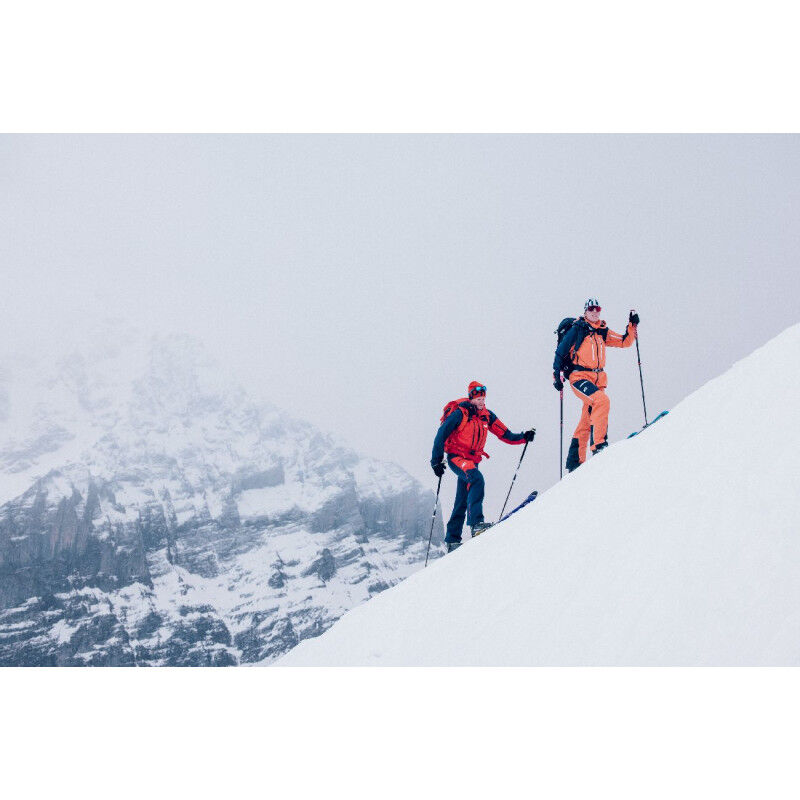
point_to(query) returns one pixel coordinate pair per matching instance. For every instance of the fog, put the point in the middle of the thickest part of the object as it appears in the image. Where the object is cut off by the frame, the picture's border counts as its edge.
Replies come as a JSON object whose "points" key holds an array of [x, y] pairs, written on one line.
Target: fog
{"points": [[361, 281]]}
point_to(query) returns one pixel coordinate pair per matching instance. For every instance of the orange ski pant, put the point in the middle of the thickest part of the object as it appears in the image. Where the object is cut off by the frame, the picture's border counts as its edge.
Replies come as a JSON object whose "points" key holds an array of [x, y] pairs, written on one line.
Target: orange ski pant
{"points": [[593, 414]]}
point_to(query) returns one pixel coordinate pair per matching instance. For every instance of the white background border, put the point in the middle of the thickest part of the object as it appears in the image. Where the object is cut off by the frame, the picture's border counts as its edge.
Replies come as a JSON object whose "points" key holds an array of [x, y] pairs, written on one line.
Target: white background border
{"points": [[353, 65], [369, 66]]}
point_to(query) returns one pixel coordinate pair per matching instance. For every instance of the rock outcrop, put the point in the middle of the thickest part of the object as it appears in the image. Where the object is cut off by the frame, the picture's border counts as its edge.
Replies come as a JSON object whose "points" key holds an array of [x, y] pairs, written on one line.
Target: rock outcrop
{"points": [[153, 515]]}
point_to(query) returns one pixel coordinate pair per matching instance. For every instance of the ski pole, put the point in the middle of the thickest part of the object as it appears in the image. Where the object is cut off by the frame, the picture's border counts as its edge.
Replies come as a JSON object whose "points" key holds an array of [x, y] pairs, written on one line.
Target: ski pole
{"points": [[561, 450], [641, 380], [513, 479], [433, 518]]}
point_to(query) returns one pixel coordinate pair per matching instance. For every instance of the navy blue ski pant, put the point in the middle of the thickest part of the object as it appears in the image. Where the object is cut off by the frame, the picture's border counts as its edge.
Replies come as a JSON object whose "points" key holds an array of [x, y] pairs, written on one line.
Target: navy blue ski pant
{"points": [[469, 500]]}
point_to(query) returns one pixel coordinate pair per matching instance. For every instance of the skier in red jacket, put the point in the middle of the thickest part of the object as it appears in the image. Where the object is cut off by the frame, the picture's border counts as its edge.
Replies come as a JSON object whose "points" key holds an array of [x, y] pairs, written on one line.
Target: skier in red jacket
{"points": [[462, 436]]}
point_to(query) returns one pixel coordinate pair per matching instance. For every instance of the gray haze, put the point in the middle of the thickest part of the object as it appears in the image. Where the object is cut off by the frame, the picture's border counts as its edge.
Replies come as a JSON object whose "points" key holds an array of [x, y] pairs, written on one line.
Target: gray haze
{"points": [[361, 281]]}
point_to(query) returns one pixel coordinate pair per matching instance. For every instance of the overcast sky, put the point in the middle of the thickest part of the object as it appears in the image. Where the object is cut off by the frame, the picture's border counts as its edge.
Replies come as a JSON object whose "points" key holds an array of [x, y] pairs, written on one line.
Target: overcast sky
{"points": [[362, 281]]}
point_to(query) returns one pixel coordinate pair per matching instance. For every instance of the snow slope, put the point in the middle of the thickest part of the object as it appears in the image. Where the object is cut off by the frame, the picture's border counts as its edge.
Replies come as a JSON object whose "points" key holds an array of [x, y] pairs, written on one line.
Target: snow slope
{"points": [[678, 547]]}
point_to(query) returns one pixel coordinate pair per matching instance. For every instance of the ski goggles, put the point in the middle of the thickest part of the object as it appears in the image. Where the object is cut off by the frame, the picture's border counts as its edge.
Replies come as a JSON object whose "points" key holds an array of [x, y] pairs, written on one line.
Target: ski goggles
{"points": [[478, 390], [593, 308]]}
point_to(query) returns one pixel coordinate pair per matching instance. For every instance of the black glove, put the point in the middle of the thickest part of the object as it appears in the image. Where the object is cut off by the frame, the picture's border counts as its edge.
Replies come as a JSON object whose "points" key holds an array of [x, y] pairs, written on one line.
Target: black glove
{"points": [[633, 317], [438, 469], [529, 434], [557, 382]]}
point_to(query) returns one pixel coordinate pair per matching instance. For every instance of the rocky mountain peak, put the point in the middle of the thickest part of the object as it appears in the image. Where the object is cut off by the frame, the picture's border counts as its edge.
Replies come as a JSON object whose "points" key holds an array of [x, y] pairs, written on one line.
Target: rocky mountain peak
{"points": [[154, 513]]}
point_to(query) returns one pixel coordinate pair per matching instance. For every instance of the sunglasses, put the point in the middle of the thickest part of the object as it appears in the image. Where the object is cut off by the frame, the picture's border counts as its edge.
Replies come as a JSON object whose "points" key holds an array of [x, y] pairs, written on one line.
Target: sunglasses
{"points": [[594, 308], [478, 390]]}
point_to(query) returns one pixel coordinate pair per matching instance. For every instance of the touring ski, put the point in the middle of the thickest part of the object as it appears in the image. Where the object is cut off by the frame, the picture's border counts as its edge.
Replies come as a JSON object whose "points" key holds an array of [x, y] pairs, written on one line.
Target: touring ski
{"points": [[483, 528], [529, 499], [652, 421]]}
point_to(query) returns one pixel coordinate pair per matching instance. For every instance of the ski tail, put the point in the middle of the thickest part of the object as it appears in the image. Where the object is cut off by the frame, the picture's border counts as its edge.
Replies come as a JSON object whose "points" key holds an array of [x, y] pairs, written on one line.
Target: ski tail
{"points": [[529, 499]]}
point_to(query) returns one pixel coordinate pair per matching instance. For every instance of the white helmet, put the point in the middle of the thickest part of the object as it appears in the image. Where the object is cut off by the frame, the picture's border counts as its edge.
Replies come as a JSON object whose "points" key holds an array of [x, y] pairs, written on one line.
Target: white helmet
{"points": [[592, 301]]}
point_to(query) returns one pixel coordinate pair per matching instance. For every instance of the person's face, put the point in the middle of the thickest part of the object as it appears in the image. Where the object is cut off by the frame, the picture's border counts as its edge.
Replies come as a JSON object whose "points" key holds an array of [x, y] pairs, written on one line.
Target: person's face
{"points": [[593, 313], [479, 401]]}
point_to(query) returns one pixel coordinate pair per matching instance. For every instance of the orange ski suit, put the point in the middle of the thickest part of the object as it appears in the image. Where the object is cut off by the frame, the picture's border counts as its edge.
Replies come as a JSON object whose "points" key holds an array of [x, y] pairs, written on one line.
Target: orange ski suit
{"points": [[588, 380]]}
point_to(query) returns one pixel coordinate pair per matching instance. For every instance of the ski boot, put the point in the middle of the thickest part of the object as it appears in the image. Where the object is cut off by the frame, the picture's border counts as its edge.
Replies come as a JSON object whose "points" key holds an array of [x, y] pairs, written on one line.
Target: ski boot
{"points": [[453, 546], [479, 528]]}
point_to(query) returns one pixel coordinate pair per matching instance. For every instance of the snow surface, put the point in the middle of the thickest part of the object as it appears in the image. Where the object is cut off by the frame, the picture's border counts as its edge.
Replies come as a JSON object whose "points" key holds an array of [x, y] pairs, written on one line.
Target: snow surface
{"points": [[679, 547], [277, 500]]}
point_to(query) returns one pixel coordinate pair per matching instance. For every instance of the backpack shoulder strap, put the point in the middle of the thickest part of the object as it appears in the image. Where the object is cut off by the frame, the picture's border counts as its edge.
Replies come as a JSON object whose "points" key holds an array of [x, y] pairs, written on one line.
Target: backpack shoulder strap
{"points": [[467, 409], [582, 330], [451, 407]]}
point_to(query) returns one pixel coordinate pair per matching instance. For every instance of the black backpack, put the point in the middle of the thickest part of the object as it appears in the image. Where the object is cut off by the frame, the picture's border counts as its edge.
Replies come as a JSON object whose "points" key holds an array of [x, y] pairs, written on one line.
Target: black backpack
{"points": [[563, 327]]}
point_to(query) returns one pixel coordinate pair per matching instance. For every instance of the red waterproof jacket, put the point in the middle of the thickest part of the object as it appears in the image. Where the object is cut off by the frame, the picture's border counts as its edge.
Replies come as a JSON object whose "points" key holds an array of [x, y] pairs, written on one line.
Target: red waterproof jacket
{"points": [[464, 431]]}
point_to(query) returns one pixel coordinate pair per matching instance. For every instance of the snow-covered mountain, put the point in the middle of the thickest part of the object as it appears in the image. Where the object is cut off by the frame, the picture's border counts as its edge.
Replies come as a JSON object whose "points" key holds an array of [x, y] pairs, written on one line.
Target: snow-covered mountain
{"points": [[678, 547], [151, 513]]}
